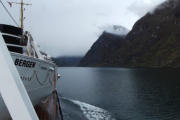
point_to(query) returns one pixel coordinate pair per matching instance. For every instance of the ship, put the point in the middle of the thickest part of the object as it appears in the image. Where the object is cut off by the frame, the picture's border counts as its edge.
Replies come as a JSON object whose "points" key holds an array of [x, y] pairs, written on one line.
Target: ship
{"points": [[36, 69]]}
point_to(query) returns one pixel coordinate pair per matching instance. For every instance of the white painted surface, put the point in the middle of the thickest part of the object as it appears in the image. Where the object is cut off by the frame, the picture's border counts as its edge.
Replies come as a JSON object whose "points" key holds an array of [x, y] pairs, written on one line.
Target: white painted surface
{"points": [[12, 89]]}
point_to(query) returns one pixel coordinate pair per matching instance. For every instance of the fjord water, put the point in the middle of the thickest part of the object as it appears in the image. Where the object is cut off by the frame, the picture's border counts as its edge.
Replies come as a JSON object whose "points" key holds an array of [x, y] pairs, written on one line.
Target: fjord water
{"points": [[127, 94]]}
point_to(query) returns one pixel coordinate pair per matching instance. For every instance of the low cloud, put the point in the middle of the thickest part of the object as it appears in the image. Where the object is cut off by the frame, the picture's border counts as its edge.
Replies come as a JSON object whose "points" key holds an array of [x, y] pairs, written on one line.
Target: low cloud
{"points": [[141, 7], [70, 27]]}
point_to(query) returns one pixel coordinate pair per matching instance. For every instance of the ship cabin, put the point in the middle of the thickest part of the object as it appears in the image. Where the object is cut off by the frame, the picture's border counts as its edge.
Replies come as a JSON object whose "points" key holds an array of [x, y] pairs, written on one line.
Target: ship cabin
{"points": [[20, 42]]}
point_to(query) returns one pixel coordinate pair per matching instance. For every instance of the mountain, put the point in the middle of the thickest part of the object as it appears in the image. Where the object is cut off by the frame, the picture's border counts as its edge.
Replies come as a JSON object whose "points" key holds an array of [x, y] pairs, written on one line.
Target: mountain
{"points": [[67, 61], [109, 42], [154, 41]]}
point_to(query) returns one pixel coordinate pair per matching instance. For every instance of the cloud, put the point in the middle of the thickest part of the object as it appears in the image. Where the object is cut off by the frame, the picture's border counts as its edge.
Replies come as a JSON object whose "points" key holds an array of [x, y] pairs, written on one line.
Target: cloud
{"points": [[70, 27], [141, 7]]}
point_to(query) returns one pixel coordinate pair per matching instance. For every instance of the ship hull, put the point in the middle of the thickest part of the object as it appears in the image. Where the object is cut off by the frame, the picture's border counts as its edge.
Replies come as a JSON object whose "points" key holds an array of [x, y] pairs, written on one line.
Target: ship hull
{"points": [[38, 77]]}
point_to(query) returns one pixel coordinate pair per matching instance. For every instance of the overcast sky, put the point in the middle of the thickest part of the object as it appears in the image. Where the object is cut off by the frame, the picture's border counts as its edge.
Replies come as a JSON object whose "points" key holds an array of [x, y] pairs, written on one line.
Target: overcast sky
{"points": [[70, 27]]}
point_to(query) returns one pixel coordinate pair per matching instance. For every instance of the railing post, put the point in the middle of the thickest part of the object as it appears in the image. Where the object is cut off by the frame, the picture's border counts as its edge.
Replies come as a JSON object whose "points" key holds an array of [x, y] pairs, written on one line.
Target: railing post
{"points": [[12, 88]]}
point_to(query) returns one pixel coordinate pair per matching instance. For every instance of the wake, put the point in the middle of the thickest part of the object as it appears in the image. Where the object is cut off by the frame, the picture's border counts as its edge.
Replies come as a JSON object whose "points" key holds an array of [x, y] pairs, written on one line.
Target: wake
{"points": [[89, 111]]}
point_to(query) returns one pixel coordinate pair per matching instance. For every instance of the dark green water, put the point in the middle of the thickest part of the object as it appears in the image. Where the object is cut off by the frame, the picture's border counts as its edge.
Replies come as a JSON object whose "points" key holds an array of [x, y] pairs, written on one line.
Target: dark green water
{"points": [[127, 94]]}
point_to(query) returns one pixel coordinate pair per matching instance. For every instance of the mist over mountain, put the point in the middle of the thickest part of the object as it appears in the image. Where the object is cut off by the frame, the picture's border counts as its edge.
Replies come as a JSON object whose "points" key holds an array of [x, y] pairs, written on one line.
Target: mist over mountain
{"points": [[116, 30], [152, 42]]}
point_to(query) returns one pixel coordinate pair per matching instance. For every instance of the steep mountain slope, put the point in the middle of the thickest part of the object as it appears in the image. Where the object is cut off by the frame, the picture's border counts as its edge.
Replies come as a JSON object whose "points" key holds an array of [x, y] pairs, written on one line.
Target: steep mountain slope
{"points": [[154, 40], [109, 42]]}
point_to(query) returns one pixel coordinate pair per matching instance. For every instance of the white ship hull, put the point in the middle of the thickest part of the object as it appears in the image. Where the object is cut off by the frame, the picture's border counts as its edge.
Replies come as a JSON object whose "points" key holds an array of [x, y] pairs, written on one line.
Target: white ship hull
{"points": [[37, 76]]}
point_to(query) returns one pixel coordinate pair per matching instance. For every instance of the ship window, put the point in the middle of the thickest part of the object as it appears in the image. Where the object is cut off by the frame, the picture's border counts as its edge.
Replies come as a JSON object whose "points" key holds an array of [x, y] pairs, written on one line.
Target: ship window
{"points": [[11, 30], [15, 49], [12, 40]]}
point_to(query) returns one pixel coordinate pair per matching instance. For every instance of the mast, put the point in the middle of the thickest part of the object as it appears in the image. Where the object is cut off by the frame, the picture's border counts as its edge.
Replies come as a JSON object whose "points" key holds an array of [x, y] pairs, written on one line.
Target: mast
{"points": [[22, 15]]}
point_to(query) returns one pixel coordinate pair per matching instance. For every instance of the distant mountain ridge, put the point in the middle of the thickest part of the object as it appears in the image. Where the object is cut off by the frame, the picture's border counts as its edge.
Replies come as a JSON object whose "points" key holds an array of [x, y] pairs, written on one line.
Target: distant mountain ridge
{"points": [[67, 61], [154, 41]]}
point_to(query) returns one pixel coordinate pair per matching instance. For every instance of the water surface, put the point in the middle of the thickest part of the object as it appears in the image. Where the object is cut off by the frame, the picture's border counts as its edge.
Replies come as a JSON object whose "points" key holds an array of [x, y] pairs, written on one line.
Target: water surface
{"points": [[126, 94]]}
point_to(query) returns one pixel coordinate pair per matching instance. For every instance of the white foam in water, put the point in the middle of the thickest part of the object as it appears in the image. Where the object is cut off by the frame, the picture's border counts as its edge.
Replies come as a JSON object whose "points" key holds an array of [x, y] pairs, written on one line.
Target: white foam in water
{"points": [[92, 112]]}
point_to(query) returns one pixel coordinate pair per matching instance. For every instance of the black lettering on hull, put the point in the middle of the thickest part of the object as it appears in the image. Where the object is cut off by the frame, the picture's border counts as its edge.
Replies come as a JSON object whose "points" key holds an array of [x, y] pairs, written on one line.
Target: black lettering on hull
{"points": [[24, 63]]}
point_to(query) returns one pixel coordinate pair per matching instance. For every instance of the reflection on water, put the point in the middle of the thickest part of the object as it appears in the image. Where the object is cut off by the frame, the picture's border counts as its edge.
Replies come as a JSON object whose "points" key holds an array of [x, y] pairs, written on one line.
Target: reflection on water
{"points": [[129, 94]]}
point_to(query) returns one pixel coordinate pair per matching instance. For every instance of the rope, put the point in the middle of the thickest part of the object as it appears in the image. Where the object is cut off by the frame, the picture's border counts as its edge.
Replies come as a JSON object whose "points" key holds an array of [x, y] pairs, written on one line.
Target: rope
{"points": [[35, 74], [9, 13]]}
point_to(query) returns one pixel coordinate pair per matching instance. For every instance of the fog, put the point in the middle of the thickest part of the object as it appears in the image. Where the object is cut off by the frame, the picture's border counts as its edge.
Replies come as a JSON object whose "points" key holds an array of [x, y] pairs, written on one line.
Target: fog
{"points": [[70, 27]]}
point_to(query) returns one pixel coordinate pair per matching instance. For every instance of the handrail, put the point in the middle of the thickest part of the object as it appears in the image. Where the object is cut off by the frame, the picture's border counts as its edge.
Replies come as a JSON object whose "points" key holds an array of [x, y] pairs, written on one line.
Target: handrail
{"points": [[12, 88]]}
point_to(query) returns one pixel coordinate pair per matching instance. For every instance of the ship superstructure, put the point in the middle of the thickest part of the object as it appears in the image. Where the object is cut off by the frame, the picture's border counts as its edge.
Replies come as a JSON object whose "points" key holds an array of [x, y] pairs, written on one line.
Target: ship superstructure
{"points": [[36, 69]]}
